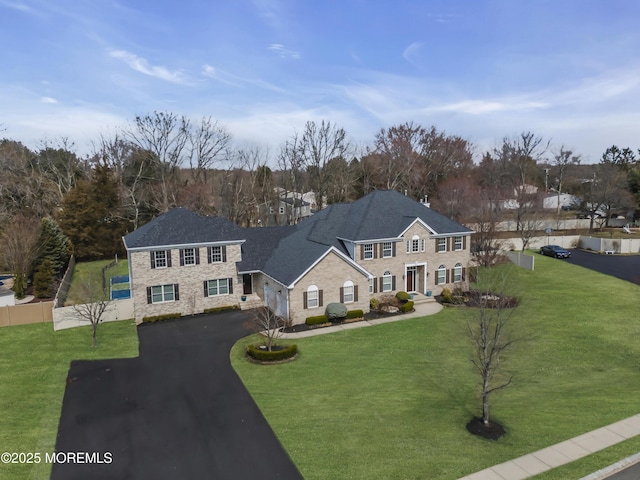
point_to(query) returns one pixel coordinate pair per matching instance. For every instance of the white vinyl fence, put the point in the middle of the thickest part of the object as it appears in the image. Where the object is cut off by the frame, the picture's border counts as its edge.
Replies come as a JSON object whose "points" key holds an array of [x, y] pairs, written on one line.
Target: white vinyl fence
{"points": [[67, 317]]}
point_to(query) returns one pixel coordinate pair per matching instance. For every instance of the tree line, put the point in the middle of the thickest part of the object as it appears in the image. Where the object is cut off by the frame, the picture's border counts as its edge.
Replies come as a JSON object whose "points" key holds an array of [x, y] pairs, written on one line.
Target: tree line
{"points": [[163, 160]]}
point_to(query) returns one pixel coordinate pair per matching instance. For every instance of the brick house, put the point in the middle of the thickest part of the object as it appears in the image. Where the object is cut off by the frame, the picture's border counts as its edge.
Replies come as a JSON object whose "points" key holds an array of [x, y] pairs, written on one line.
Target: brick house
{"points": [[385, 242]]}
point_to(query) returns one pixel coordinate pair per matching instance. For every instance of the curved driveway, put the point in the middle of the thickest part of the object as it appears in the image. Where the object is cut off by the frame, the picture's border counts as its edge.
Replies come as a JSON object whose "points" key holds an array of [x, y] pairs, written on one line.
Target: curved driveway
{"points": [[178, 411]]}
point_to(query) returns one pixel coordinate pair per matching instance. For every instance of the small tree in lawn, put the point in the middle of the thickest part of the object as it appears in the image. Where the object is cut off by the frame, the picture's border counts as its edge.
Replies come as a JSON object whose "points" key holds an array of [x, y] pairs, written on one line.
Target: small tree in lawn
{"points": [[490, 337], [269, 324], [96, 302]]}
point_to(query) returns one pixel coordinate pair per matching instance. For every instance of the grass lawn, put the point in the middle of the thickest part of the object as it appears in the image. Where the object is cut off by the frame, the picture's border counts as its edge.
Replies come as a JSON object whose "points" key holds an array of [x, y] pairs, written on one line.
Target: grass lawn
{"points": [[34, 361], [392, 401], [92, 270]]}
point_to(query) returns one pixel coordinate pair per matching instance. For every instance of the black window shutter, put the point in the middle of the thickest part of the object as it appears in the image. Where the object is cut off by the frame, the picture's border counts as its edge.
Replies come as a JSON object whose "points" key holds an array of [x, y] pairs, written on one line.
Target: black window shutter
{"points": [[393, 282], [393, 249], [355, 293], [381, 285], [361, 252], [447, 277], [436, 245], [206, 288], [436, 272], [375, 286], [148, 294], [230, 280], [304, 299], [224, 253], [182, 257], [208, 254], [176, 291], [375, 250], [341, 294], [464, 243], [153, 259], [168, 258], [464, 273], [320, 297], [197, 256]]}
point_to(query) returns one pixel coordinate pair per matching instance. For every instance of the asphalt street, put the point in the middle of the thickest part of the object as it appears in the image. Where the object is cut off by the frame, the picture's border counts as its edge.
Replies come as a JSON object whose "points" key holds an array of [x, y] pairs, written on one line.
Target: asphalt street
{"points": [[178, 411], [625, 267]]}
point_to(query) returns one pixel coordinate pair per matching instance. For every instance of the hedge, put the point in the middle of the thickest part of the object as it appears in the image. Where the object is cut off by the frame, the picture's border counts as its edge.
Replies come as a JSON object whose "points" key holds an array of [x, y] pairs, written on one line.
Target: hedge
{"points": [[224, 308], [273, 356], [406, 307], [355, 314], [317, 320], [160, 318]]}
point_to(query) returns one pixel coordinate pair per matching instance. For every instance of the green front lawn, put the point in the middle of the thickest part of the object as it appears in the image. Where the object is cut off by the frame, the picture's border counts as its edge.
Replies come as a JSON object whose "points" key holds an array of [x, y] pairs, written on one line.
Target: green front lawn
{"points": [[392, 401], [34, 361]]}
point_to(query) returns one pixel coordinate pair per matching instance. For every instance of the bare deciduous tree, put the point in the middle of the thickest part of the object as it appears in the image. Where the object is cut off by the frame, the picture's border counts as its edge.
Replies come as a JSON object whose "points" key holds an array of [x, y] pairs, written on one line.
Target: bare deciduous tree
{"points": [[488, 331], [20, 248], [95, 302], [563, 161], [269, 325]]}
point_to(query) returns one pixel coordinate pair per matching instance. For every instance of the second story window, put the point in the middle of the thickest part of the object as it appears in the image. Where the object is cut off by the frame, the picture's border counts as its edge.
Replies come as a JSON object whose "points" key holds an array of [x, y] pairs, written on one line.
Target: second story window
{"points": [[442, 244], [387, 250], [217, 254], [367, 251], [161, 259], [415, 244], [458, 243], [281, 210], [189, 256]]}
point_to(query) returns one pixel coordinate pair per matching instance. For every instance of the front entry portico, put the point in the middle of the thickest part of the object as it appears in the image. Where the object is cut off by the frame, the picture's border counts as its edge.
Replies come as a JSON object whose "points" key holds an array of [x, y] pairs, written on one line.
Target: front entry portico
{"points": [[415, 275]]}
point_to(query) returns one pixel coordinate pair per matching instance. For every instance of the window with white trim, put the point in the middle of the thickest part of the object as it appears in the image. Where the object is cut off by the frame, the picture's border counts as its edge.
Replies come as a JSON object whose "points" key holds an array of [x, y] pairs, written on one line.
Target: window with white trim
{"points": [[160, 259], [163, 293], [387, 249], [372, 285], [442, 245], [218, 286], [422, 244], [281, 210], [367, 251], [216, 254], [347, 292], [458, 243], [387, 282], [457, 273], [441, 274], [188, 256], [312, 296], [415, 244]]}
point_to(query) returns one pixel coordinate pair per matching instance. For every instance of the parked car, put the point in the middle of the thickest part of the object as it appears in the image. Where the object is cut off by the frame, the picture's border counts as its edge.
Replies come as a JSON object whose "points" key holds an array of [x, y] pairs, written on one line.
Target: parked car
{"points": [[554, 251]]}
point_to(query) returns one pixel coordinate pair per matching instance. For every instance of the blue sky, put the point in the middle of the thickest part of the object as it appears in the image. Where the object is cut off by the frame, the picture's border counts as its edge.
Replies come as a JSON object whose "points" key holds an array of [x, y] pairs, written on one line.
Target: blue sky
{"points": [[566, 70]]}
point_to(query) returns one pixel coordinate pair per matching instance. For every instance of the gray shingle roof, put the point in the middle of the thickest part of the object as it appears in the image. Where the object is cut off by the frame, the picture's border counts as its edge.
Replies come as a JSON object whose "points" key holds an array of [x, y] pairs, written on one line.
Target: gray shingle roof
{"points": [[183, 227], [285, 253]]}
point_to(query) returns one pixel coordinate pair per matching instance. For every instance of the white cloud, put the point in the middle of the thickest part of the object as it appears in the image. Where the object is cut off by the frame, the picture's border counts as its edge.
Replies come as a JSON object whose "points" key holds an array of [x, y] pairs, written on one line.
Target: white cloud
{"points": [[481, 107], [141, 65], [48, 100], [227, 78], [411, 53], [283, 52], [21, 7]]}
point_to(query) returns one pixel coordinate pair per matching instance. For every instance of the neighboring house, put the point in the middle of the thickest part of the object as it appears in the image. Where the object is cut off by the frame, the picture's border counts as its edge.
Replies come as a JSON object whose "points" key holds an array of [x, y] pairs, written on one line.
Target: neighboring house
{"points": [[385, 242], [287, 210], [565, 200]]}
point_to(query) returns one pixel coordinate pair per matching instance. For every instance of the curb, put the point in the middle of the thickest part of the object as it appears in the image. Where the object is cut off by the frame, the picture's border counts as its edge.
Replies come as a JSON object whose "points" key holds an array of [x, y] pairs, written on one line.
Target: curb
{"points": [[615, 468]]}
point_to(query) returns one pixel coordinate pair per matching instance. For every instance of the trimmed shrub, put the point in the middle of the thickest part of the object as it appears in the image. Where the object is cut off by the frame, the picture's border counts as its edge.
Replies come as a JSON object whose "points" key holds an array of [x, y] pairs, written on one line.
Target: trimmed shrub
{"points": [[374, 304], [403, 296], [160, 318], [447, 297], [273, 356], [224, 308], [406, 307], [317, 320], [355, 314]]}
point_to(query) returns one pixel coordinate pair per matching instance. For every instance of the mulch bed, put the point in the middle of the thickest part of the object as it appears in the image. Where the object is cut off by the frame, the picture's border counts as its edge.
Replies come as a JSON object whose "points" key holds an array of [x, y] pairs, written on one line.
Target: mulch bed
{"points": [[492, 431]]}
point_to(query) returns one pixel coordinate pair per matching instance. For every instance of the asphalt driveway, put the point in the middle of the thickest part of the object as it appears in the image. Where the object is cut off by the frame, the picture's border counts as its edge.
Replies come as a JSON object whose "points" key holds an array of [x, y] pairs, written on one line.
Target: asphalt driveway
{"points": [[178, 411], [625, 267]]}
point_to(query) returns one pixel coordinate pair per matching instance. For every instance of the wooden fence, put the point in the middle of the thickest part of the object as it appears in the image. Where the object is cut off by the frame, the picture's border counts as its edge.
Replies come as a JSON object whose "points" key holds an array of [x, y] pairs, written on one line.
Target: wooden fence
{"points": [[27, 313]]}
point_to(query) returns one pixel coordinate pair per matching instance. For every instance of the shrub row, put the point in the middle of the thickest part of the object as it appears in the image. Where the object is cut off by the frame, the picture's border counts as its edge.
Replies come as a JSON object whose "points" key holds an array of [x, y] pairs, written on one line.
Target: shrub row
{"points": [[274, 356], [224, 308], [160, 318], [355, 314], [406, 307], [317, 320]]}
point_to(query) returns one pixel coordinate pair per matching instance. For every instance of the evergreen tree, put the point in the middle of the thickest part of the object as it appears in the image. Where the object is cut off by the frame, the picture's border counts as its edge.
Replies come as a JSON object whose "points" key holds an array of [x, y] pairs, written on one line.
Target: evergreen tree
{"points": [[54, 245], [90, 217], [44, 279]]}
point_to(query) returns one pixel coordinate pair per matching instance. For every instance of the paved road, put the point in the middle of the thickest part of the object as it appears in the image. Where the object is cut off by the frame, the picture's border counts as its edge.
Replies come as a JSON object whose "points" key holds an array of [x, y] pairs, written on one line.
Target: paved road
{"points": [[179, 411], [625, 267], [631, 473]]}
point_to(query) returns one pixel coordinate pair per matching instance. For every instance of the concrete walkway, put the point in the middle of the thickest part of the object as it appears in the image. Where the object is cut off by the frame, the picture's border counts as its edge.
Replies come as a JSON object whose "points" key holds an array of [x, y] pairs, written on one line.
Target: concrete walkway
{"points": [[561, 453], [531, 464], [420, 310]]}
